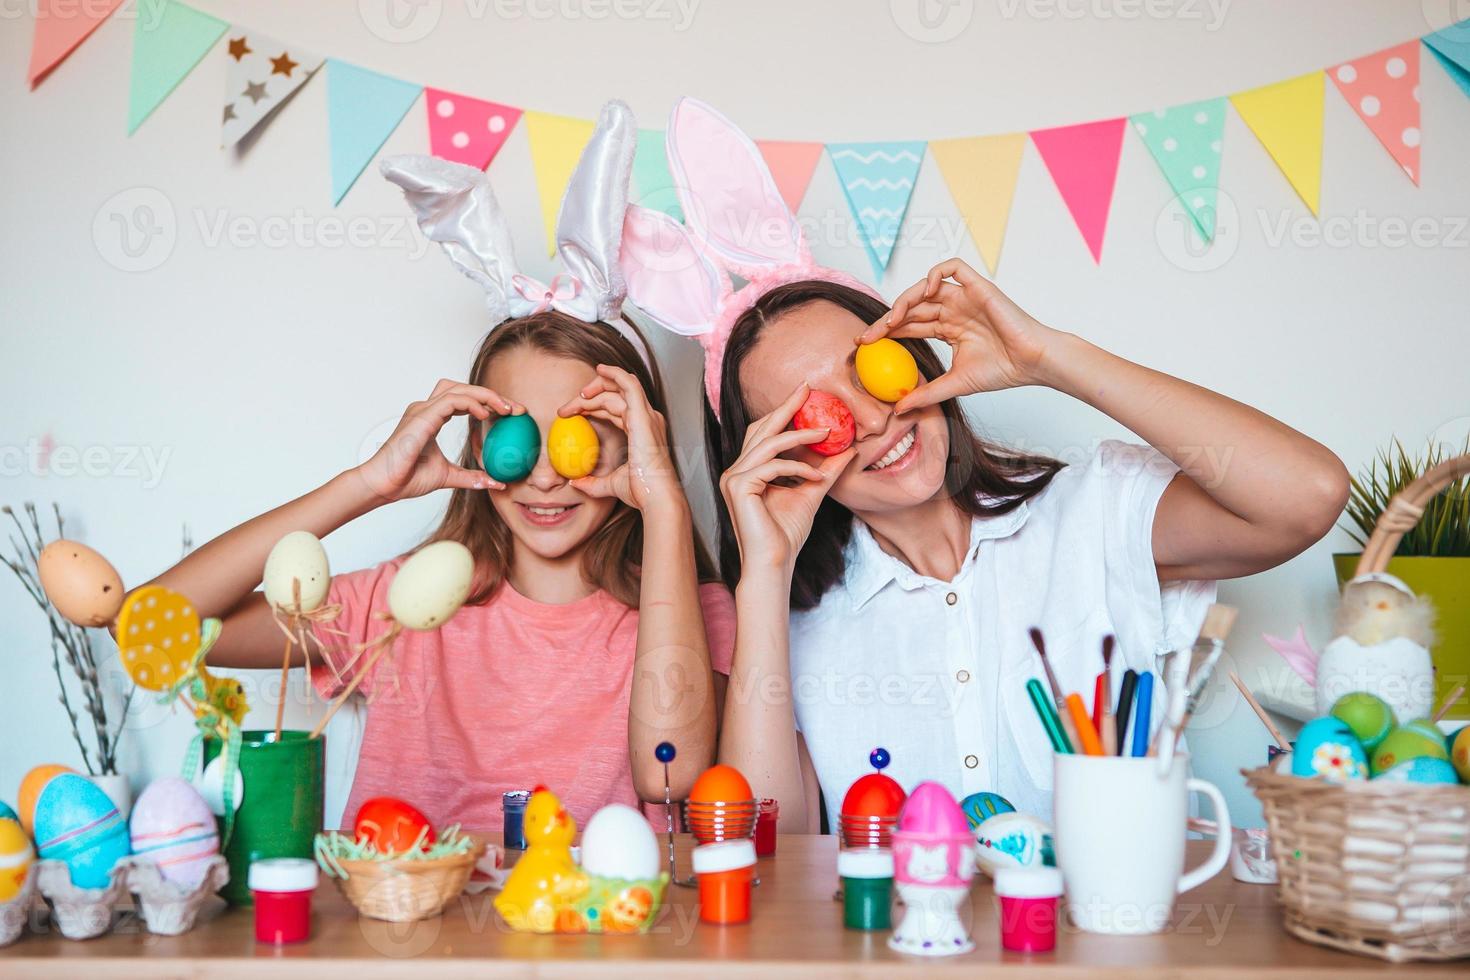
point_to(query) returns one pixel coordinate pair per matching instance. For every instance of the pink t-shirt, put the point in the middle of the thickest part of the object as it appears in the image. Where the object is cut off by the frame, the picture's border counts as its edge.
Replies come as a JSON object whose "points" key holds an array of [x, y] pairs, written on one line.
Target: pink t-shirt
{"points": [[505, 696]]}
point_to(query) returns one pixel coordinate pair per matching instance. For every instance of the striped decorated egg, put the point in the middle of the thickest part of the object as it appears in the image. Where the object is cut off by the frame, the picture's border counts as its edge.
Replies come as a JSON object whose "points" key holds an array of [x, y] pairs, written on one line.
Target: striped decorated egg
{"points": [[78, 824], [30, 790], [172, 826], [16, 858]]}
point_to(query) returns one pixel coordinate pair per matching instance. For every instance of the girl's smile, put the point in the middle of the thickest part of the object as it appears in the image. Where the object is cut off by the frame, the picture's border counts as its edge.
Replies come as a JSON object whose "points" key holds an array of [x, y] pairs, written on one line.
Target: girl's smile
{"points": [[546, 514]]}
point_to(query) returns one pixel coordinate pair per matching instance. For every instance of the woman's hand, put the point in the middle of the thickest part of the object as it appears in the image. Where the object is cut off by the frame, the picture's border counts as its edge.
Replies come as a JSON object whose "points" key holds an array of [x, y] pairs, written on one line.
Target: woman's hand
{"points": [[996, 344], [773, 500], [410, 463], [647, 478]]}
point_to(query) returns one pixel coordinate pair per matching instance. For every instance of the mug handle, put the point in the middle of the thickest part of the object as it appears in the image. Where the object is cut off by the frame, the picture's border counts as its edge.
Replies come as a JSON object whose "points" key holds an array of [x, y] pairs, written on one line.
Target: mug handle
{"points": [[1221, 854]]}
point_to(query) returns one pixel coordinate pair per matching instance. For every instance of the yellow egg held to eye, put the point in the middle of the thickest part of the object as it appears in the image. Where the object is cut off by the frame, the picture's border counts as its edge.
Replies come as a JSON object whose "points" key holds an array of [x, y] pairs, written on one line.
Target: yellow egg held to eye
{"points": [[886, 369], [572, 447]]}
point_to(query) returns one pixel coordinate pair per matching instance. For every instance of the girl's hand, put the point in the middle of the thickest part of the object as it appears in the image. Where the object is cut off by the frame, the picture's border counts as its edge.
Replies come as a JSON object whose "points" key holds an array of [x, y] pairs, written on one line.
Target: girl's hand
{"points": [[772, 519], [996, 344], [410, 463], [647, 478]]}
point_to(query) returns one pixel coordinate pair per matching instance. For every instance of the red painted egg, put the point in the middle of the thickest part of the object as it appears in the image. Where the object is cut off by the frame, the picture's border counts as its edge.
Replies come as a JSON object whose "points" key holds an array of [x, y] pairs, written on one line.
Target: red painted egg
{"points": [[873, 795], [824, 411], [392, 826]]}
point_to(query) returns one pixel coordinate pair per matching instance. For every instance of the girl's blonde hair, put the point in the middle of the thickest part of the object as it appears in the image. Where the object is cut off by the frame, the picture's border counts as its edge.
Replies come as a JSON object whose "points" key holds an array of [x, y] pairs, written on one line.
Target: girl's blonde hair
{"points": [[615, 552]]}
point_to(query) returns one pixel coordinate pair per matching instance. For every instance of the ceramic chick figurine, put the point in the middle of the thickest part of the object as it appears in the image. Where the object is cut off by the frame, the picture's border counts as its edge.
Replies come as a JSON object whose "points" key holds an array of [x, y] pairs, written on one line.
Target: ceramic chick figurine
{"points": [[1382, 637], [546, 879]]}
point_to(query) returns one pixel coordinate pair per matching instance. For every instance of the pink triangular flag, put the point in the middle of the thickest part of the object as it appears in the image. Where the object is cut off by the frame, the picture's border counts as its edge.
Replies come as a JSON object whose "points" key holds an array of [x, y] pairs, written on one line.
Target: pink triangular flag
{"points": [[61, 25], [792, 166], [1083, 161], [466, 130], [1383, 89]]}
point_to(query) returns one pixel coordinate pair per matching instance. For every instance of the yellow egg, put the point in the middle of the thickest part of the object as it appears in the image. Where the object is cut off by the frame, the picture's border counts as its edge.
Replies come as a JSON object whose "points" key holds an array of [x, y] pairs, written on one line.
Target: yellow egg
{"points": [[81, 584], [16, 858], [887, 370], [572, 447]]}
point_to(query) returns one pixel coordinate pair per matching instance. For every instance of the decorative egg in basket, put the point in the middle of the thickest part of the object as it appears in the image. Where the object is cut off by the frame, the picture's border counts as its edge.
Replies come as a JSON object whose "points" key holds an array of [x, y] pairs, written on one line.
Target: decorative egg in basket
{"points": [[1327, 747]]}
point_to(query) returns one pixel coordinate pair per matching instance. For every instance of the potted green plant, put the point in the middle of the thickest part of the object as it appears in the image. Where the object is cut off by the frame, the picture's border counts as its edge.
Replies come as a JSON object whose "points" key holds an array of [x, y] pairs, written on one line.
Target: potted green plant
{"points": [[1433, 558]]}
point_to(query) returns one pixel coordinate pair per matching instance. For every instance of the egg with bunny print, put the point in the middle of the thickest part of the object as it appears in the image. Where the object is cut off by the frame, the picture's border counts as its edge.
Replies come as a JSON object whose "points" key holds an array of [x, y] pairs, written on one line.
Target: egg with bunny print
{"points": [[173, 827]]}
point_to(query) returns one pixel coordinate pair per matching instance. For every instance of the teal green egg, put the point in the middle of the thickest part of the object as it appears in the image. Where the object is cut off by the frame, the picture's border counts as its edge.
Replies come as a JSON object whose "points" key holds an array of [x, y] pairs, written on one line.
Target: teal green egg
{"points": [[1368, 715], [1423, 769], [1327, 747], [6, 813], [511, 448], [980, 807]]}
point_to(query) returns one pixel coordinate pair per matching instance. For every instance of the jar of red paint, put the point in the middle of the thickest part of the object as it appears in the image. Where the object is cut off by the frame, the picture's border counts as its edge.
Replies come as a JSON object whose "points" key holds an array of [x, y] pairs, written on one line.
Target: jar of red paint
{"points": [[1028, 908], [282, 888]]}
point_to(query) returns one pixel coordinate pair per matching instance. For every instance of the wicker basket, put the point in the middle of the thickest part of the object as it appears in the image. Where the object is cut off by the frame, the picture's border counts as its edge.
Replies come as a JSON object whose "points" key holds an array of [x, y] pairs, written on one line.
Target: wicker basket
{"points": [[1376, 868], [407, 890]]}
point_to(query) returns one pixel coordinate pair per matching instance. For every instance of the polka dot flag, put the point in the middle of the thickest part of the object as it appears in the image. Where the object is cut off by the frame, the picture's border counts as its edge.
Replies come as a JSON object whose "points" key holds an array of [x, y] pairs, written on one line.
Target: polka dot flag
{"points": [[1383, 90], [465, 130], [1186, 140]]}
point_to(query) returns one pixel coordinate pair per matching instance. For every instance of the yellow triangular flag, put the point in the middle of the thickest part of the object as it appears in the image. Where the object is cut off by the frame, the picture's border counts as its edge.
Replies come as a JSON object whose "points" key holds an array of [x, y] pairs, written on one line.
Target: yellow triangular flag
{"points": [[1287, 118], [981, 174], [556, 143]]}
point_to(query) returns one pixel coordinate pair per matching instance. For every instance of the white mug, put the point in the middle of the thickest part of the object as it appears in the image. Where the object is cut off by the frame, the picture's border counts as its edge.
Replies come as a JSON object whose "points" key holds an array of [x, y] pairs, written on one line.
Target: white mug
{"points": [[1120, 831]]}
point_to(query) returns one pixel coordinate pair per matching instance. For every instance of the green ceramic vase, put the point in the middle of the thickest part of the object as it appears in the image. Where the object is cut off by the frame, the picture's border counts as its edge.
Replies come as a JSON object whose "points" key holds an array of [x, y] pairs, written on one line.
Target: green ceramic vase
{"points": [[282, 812], [1446, 582]]}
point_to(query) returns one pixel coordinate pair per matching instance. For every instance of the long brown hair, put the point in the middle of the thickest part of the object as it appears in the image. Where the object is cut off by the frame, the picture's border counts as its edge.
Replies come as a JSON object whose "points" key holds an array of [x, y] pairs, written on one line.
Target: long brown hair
{"points": [[614, 553], [982, 479]]}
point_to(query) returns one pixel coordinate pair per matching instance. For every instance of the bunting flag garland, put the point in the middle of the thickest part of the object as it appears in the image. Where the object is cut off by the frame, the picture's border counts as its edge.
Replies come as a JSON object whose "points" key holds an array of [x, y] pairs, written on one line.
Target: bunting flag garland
{"points": [[556, 143], [1083, 161], [651, 175], [1186, 141], [981, 174], [363, 109], [166, 47], [1383, 90], [465, 130], [1287, 118], [878, 179], [1451, 48], [261, 73], [61, 26], [792, 165]]}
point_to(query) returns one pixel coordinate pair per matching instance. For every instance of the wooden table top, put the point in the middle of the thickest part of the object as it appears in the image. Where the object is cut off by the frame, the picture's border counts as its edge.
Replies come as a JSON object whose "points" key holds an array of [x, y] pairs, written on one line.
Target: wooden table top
{"points": [[1223, 929]]}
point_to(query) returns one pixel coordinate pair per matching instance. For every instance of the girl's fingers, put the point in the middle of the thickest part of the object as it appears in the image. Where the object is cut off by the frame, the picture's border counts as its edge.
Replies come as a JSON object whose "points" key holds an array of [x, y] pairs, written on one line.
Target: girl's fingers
{"points": [[637, 408], [447, 406], [942, 388], [596, 486], [778, 418], [459, 478], [607, 401], [616, 421], [492, 399], [782, 442]]}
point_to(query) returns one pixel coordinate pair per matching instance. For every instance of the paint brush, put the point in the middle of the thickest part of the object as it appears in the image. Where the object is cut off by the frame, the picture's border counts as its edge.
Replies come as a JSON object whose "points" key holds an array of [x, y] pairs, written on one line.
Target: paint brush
{"points": [[1048, 716], [1059, 700], [1250, 699], [1447, 704], [1125, 708], [1106, 729], [1184, 699], [1090, 743]]}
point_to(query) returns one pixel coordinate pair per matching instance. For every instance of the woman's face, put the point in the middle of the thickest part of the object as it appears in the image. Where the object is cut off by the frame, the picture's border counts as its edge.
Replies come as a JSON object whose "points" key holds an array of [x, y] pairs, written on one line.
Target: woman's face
{"points": [[900, 459], [544, 512]]}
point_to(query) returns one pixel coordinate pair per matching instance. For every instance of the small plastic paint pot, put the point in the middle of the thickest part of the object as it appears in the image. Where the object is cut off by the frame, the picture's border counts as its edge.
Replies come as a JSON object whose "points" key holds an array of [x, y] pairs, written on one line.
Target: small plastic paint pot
{"points": [[513, 810], [867, 887], [282, 888], [1028, 908], [725, 871], [765, 828]]}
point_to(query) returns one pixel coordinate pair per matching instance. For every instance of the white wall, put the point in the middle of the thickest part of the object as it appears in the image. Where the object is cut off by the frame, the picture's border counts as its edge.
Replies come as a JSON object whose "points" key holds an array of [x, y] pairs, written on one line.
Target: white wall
{"points": [[258, 371]]}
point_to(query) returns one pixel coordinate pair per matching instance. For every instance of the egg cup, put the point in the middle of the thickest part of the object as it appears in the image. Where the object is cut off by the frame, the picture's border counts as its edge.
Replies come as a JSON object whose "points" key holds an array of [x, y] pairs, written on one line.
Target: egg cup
{"points": [[80, 913], [13, 914], [166, 907]]}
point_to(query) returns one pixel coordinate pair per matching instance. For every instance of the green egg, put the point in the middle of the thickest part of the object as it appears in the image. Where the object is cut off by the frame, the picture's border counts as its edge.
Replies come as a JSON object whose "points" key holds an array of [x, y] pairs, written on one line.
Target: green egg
{"points": [[511, 448]]}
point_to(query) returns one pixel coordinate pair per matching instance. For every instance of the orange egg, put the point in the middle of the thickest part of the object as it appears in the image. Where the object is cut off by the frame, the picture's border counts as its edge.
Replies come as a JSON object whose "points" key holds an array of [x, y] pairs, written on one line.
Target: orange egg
{"points": [[721, 784], [30, 790]]}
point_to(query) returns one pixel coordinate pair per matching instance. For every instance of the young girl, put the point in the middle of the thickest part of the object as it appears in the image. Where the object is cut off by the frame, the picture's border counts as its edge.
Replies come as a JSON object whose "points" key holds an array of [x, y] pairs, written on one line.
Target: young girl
{"points": [[884, 595], [588, 638]]}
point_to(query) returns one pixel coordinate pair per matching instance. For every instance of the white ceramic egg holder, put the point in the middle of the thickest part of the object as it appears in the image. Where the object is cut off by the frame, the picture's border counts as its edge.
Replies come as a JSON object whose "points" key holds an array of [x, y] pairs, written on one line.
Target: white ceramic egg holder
{"points": [[85, 913]]}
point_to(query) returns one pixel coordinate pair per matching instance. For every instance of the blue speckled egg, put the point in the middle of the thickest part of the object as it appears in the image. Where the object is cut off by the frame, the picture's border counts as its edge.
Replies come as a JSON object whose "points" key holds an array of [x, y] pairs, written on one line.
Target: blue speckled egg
{"points": [[980, 807], [1423, 769], [76, 823], [511, 448], [1327, 747]]}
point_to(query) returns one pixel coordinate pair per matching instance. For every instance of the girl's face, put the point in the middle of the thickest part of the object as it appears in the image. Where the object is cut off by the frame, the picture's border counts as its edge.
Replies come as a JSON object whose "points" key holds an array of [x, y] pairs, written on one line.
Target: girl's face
{"points": [[900, 459], [544, 512]]}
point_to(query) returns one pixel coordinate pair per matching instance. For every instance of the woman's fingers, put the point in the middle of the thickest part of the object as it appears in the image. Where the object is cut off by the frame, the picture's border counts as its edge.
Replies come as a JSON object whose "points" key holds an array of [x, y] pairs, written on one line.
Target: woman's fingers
{"points": [[756, 478], [778, 418], [942, 388], [782, 442]]}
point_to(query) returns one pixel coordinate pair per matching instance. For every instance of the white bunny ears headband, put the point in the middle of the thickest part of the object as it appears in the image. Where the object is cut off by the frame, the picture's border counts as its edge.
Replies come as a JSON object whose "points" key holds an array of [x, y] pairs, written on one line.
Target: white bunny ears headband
{"points": [[735, 222], [456, 207]]}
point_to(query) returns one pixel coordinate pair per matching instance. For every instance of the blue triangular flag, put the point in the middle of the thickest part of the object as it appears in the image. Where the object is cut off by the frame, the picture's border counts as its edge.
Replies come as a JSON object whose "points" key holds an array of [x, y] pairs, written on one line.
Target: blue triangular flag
{"points": [[363, 107], [1185, 140], [1452, 47], [878, 179]]}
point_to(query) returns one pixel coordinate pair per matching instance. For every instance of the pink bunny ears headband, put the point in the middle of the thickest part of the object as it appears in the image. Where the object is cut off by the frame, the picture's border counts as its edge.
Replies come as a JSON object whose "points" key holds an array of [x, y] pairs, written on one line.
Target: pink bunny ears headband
{"points": [[456, 207], [735, 221]]}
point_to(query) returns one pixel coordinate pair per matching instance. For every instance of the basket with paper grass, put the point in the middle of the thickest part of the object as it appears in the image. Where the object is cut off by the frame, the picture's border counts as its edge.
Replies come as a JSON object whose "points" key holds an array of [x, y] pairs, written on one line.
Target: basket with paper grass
{"points": [[404, 886]]}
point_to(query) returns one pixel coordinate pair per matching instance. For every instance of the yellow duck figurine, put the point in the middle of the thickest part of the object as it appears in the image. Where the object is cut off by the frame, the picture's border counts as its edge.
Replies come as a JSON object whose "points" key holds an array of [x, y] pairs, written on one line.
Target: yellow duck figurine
{"points": [[545, 881]]}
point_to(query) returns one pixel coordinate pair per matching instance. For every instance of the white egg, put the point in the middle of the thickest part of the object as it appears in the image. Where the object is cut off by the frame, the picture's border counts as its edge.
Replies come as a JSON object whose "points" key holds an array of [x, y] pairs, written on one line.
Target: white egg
{"points": [[619, 843], [431, 586], [298, 556]]}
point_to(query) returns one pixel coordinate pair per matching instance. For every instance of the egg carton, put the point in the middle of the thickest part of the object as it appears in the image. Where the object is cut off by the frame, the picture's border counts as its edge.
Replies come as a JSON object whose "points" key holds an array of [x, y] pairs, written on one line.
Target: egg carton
{"points": [[167, 908], [80, 913], [13, 914]]}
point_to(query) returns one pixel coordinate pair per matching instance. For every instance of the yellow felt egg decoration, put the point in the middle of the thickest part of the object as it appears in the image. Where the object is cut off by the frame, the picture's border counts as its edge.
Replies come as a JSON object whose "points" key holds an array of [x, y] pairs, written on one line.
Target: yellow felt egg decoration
{"points": [[572, 447], [158, 633], [886, 369], [81, 584]]}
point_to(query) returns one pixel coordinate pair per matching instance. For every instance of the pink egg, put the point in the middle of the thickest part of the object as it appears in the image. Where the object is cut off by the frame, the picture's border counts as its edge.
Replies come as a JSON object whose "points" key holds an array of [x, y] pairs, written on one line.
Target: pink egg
{"points": [[930, 809], [173, 827]]}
